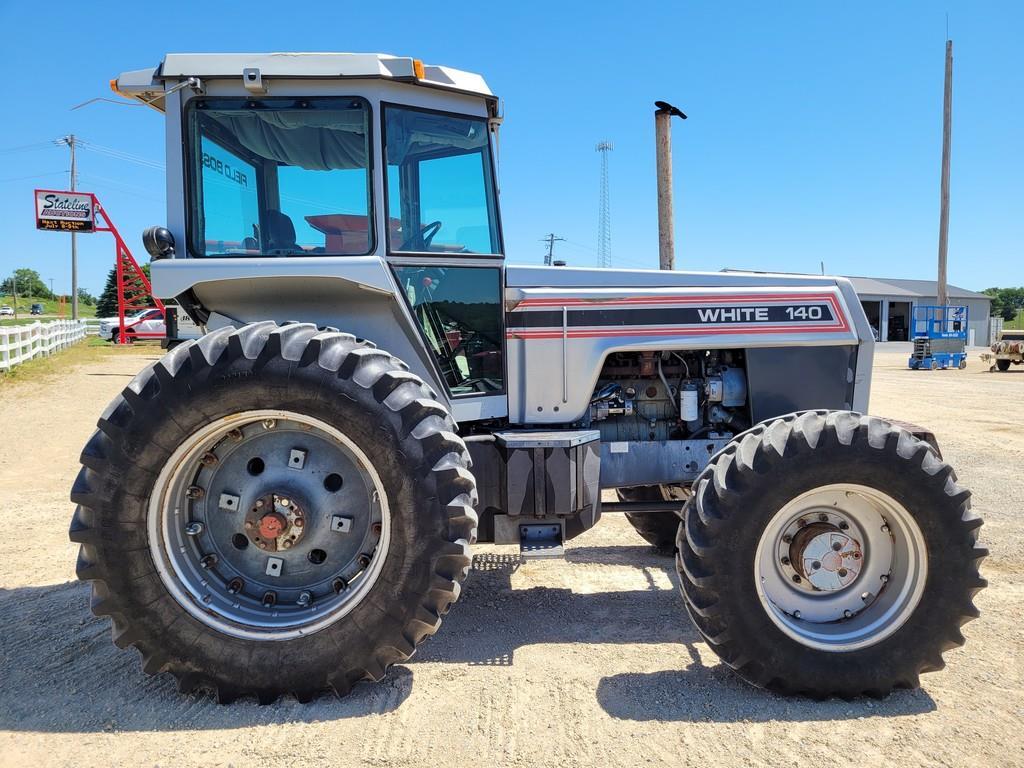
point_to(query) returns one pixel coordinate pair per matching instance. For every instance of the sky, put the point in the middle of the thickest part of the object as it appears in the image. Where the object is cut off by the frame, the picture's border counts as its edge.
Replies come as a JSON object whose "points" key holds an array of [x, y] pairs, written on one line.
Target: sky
{"points": [[814, 132]]}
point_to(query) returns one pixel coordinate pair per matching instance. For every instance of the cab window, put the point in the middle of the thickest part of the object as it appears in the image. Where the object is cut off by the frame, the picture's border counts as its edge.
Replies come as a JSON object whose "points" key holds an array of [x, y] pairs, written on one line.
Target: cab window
{"points": [[459, 312], [280, 177], [440, 183]]}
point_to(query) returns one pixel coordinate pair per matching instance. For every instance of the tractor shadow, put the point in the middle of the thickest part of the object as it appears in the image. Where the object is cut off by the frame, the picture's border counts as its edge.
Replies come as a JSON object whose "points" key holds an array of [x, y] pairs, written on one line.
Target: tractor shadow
{"points": [[60, 672]]}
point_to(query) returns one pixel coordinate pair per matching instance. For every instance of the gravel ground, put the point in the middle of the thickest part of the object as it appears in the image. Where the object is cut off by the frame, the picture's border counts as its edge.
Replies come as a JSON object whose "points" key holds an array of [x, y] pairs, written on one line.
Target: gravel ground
{"points": [[585, 662]]}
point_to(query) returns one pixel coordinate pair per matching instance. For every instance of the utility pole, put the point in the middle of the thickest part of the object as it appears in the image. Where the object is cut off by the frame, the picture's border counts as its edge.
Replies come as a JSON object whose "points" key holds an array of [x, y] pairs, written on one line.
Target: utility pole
{"points": [[70, 141], [14, 278], [551, 239], [604, 217], [51, 288], [663, 145], [947, 129]]}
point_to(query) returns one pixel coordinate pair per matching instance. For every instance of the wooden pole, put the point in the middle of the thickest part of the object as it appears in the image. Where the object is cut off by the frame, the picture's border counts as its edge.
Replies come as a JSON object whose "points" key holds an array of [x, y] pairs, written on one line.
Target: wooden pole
{"points": [[947, 128], [666, 216]]}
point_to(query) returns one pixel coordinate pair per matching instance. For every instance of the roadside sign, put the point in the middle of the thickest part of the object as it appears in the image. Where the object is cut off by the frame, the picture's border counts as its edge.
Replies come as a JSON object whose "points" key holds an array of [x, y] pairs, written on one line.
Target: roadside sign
{"points": [[65, 211]]}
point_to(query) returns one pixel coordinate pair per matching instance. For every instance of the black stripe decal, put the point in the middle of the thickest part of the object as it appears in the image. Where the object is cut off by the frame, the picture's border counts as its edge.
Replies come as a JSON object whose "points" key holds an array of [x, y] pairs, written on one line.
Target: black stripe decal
{"points": [[772, 314]]}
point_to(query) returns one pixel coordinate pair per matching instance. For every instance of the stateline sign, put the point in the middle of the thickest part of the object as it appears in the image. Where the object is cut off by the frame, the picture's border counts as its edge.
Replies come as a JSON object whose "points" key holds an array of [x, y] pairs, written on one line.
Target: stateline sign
{"points": [[65, 211]]}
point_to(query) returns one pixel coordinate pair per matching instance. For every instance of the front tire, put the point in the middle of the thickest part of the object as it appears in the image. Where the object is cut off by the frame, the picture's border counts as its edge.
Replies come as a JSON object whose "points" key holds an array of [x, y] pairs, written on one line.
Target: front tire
{"points": [[309, 424], [905, 571], [1003, 365]]}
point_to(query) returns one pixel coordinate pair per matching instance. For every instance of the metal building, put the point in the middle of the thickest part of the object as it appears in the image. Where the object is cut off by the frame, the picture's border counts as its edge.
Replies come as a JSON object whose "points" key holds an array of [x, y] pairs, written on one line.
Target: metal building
{"points": [[889, 305]]}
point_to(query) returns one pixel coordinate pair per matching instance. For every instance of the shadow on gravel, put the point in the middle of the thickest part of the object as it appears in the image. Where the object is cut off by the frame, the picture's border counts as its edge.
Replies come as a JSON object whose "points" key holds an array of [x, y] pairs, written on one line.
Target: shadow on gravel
{"points": [[715, 694], [60, 672]]}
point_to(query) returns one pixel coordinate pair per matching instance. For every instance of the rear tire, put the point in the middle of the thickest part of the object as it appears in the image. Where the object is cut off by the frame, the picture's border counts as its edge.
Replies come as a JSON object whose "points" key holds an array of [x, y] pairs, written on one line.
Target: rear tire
{"points": [[747, 614], [1003, 365], [351, 388]]}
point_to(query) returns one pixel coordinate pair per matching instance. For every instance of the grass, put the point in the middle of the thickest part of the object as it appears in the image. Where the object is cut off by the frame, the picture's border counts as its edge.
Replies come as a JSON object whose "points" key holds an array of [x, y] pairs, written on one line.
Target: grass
{"points": [[90, 349], [1017, 324]]}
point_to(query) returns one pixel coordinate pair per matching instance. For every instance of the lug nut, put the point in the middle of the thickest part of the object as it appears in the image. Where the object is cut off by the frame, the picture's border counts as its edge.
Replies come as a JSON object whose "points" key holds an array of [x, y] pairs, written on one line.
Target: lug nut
{"points": [[208, 561], [815, 565], [269, 599], [209, 459], [235, 586], [884, 577], [823, 517], [796, 578], [236, 435], [285, 503], [305, 598], [259, 503], [194, 528], [785, 560], [842, 573], [269, 423], [286, 544], [843, 525], [339, 585], [796, 614], [298, 522], [801, 522], [194, 492], [885, 529], [847, 614], [836, 546], [248, 524], [363, 560], [787, 539], [376, 529]]}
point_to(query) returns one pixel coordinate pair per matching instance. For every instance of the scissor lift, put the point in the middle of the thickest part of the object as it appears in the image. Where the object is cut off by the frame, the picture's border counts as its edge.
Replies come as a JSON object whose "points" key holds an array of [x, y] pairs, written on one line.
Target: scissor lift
{"points": [[940, 338]]}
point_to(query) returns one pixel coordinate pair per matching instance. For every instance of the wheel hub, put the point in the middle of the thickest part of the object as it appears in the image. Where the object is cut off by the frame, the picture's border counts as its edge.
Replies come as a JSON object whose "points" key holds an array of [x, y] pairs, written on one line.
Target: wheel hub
{"points": [[275, 521], [827, 558]]}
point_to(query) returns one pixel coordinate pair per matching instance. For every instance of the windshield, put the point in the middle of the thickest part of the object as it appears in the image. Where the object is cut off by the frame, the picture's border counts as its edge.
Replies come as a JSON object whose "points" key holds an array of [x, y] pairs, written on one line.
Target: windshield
{"points": [[440, 183], [280, 177]]}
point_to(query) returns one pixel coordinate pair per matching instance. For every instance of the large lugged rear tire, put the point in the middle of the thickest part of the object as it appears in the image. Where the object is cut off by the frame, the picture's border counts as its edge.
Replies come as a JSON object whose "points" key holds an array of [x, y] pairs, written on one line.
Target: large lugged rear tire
{"points": [[830, 553], [332, 454]]}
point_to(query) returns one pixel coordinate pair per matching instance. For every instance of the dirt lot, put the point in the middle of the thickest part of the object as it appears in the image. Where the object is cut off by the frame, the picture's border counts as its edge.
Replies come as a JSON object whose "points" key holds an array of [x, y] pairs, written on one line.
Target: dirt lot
{"points": [[589, 662]]}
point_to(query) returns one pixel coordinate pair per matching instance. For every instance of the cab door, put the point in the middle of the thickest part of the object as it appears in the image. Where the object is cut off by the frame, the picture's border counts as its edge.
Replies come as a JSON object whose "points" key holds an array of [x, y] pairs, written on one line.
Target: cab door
{"points": [[444, 246]]}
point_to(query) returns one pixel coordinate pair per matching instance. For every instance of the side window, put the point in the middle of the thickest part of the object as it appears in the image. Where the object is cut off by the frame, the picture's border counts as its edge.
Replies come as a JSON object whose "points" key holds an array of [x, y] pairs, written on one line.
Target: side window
{"points": [[459, 310]]}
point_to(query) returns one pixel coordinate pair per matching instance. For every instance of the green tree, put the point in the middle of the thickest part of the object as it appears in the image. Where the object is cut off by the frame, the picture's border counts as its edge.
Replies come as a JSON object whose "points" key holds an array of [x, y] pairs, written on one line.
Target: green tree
{"points": [[84, 297], [106, 305], [27, 282], [1006, 302]]}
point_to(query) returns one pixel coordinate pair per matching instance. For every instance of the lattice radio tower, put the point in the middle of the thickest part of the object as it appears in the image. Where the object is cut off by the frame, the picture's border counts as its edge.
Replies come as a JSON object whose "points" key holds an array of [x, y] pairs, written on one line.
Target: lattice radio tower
{"points": [[604, 216]]}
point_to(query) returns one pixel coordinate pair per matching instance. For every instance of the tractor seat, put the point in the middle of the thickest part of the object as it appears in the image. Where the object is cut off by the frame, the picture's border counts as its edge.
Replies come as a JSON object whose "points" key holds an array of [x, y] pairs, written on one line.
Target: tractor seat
{"points": [[280, 232]]}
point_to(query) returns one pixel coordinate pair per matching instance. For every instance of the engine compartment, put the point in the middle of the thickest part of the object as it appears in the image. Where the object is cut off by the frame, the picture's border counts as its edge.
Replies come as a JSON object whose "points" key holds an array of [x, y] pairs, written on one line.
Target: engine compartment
{"points": [[670, 395]]}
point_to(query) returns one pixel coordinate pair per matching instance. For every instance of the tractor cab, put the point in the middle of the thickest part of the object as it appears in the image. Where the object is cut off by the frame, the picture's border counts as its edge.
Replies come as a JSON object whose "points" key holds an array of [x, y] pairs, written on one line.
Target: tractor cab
{"points": [[319, 165]]}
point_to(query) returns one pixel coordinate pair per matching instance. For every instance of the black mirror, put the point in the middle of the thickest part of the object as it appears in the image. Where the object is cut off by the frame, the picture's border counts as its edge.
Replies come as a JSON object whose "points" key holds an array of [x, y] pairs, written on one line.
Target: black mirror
{"points": [[158, 242]]}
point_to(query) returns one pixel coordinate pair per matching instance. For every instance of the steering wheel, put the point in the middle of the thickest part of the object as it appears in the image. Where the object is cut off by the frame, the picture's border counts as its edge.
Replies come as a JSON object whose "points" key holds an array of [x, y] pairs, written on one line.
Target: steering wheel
{"points": [[421, 240]]}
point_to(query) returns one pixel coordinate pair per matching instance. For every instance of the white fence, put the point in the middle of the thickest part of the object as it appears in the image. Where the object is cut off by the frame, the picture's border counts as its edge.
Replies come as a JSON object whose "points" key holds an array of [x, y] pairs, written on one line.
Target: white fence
{"points": [[19, 343]]}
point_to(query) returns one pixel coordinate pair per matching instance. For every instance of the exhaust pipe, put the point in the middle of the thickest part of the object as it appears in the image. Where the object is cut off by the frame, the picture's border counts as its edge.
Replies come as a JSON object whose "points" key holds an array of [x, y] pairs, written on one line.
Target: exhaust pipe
{"points": [[663, 144]]}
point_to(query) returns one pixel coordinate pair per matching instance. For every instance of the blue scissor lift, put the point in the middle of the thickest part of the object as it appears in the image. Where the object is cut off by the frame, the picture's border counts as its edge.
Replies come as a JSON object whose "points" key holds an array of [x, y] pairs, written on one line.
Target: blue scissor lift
{"points": [[940, 338]]}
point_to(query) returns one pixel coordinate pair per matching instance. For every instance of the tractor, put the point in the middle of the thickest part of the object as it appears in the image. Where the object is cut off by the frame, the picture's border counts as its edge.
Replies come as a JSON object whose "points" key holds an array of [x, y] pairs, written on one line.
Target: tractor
{"points": [[288, 504]]}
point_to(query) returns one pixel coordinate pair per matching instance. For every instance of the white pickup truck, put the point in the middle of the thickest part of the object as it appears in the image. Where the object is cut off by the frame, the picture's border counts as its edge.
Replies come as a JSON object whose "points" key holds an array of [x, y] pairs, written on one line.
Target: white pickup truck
{"points": [[151, 321]]}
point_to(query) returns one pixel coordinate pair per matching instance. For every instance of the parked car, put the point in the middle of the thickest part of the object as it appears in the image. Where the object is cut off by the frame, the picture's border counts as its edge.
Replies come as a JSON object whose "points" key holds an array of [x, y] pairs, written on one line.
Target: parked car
{"points": [[147, 321], [6, 310], [36, 309]]}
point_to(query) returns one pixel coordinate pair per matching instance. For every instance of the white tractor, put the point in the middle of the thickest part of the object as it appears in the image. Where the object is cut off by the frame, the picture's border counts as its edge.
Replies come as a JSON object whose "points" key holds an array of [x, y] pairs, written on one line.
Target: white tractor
{"points": [[288, 504]]}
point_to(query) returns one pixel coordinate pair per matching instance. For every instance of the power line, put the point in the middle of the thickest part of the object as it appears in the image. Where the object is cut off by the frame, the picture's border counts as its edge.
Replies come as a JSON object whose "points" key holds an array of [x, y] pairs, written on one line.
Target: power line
{"points": [[604, 216], [120, 155], [551, 239], [33, 176]]}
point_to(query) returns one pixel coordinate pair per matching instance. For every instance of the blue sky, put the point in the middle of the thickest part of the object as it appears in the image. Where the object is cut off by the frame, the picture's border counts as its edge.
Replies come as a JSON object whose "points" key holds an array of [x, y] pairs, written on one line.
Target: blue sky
{"points": [[814, 131]]}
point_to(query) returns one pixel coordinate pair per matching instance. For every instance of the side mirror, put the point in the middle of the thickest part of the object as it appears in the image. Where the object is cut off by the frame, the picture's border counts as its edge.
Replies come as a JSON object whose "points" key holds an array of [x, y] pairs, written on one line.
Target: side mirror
{"points": [[158, 242]]}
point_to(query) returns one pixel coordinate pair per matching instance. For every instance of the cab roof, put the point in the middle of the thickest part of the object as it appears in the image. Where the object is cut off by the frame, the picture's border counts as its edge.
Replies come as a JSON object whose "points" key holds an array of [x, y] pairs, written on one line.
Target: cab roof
{"points": [[148, 85]]}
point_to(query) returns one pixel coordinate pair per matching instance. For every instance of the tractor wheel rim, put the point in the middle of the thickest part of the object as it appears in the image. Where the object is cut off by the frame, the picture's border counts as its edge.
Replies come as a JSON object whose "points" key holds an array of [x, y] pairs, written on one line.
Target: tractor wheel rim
{"points": [[268, 525], [841, 567]]}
